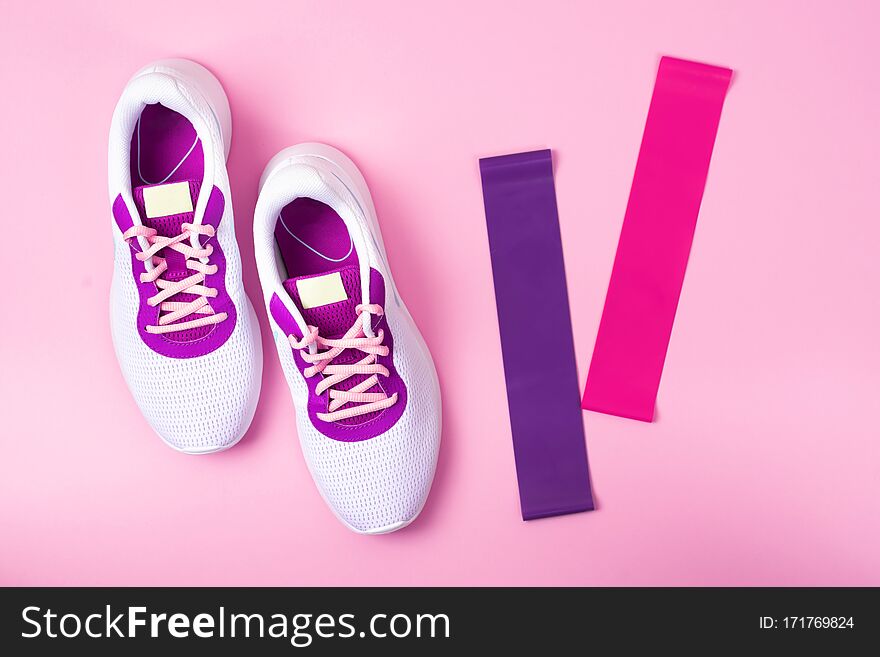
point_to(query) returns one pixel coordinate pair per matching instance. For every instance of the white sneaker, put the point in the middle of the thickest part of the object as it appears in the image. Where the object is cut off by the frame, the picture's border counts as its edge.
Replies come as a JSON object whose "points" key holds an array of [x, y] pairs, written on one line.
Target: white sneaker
{"points": [[185, 334], [363, 383]]}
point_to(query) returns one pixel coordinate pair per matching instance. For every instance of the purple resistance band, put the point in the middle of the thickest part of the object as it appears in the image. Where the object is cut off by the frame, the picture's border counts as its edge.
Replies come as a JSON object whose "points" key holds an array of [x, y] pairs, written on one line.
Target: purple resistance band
{"points": [[536, 337]]}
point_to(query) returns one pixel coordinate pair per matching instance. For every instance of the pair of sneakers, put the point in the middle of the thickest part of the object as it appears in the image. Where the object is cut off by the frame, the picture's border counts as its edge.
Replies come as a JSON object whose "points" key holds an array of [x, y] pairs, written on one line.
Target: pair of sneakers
{"points": [[186, 335]]}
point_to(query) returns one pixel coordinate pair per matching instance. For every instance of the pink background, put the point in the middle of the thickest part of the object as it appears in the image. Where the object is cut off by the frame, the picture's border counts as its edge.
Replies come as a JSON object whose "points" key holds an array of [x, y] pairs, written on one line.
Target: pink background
{"points": [[763, 466]]}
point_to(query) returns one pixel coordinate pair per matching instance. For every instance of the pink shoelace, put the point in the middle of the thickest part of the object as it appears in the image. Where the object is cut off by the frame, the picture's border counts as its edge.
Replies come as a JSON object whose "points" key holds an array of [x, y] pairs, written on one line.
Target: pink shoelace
{"points": [[354, 338], [174, 311]]}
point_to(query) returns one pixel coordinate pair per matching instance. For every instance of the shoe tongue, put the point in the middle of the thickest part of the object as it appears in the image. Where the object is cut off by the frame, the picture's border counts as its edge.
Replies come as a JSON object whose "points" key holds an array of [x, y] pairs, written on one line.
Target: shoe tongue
{"points": [[327, 300], [168, 206]]}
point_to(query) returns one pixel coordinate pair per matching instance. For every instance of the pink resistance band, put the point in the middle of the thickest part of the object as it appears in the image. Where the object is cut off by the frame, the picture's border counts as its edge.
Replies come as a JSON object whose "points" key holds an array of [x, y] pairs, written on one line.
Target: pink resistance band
{"points": [[655, 241]]}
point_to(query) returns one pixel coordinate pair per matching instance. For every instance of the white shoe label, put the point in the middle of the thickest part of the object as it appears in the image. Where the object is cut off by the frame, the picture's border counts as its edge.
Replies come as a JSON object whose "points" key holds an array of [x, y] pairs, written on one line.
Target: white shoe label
{"points": [[321, 290], [165, 200]]}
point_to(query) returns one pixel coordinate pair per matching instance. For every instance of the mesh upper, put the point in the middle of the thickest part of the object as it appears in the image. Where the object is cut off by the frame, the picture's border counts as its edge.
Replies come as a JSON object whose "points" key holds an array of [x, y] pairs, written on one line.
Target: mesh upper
{"points": [[380, 482], [384, 480], [201, 403]]}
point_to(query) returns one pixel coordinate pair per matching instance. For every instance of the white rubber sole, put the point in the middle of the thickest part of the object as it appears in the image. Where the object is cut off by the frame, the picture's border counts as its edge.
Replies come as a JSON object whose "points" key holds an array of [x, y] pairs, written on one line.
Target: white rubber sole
{"points": [[348, 174]]}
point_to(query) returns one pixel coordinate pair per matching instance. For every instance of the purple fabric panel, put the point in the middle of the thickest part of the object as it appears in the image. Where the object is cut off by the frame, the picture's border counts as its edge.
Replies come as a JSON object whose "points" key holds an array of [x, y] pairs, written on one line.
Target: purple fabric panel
{"points": [[123, 219], [365, 427], [333, 320], [305, 220], [531, 298], [171, 226], [218, 333], [166, 137]]}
